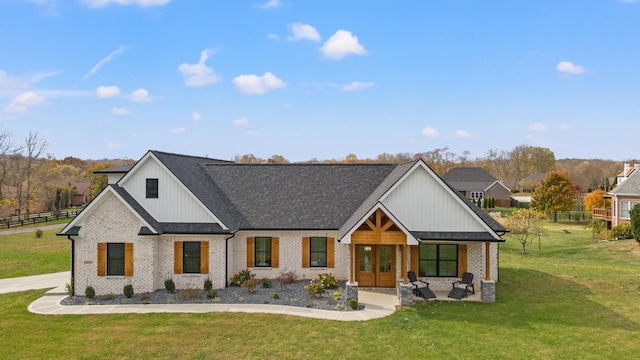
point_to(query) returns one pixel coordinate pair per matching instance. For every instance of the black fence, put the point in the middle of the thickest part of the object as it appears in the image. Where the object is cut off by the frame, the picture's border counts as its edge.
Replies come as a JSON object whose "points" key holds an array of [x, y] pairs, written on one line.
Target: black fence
{"points": [[569, 216], [23, 220]]}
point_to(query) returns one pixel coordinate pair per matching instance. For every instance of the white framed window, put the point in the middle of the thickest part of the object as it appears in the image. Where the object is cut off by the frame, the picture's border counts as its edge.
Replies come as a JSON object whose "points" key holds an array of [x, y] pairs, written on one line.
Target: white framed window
{"points": [[625, 208]]}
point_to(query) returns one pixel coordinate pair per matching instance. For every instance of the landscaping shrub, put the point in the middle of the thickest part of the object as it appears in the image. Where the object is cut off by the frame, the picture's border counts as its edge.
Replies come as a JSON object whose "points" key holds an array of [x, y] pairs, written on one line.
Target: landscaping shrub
{"points": [[622, 231], [314, 289], [89, 292], [266, 284], [69, 287], [276, 296], [189, 294], [353, 304], [170, 286], [251, 285], [241, 277], [287, 277], [208, 285], [128, 291], [211, 294], [39, 233], [327, 280]]}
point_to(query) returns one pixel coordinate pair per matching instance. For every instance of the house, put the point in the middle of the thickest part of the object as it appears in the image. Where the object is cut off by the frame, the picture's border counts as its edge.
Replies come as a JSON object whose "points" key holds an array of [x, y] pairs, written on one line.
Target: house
{"points": [[189, 219], [623, 198], [476, 183], [82, 192], [529, 183]]}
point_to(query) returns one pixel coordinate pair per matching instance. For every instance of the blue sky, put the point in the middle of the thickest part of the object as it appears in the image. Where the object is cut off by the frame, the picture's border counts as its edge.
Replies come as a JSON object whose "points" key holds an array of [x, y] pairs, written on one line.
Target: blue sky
{"points": [[321, 79]]}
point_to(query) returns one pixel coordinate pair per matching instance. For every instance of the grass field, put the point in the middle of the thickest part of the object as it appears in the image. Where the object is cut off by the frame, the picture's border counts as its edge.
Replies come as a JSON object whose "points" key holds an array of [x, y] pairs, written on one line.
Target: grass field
{"points": [[574, 299], [24, 254]]}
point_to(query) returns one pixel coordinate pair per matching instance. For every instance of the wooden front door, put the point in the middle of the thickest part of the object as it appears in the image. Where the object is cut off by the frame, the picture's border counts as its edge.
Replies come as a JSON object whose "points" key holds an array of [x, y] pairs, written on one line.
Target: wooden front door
{"points": [[376, 265]]}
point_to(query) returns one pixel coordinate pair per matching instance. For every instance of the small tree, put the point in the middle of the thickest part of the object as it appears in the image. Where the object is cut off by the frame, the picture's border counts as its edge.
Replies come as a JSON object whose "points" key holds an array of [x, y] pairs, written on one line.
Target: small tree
{"points": [[635, 222], [525, 225], [595, 200], [555, 193]]}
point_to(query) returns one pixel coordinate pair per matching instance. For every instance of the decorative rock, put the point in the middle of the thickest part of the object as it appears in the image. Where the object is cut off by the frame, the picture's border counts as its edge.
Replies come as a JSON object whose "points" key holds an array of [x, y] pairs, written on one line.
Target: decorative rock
{"points": [[352, 291]]}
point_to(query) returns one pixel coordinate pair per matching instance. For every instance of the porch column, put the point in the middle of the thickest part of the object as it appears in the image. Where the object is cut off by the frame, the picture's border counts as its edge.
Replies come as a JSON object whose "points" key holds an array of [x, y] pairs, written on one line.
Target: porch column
{"points": [[403, 266], [351, 263], [487, 252]]}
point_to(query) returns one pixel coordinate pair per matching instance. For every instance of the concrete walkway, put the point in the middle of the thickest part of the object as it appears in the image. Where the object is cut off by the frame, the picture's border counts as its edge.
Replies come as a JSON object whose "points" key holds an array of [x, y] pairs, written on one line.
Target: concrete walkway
{"points": [[35, 282], [376, 305]]}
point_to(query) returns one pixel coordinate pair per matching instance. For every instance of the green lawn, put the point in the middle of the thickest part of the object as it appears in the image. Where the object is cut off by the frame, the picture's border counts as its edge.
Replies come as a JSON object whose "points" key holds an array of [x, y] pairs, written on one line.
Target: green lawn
{"points": [[575, 298], [24, 254]]}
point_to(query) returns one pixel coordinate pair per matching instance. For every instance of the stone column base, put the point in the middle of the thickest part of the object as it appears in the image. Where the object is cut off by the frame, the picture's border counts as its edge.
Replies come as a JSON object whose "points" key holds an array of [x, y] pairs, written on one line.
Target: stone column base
{"points": [[352, 291], [405, 293], [488, 290]]}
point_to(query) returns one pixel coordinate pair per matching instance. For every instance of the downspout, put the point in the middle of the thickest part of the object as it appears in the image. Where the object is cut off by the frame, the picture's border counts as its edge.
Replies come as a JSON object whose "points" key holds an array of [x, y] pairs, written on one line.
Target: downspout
{"points": [[73, 262], [226, 259]]}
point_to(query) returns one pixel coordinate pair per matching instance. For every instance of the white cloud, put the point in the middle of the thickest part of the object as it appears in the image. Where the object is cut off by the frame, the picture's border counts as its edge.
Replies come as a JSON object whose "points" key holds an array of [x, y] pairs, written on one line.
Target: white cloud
{"points": [[356, 86], [273, 37], [120, 111], [107, 91], [430, 132], [178, 130], [20, 104], [303, 32], [241, 122], [570, 68], [49, 6], [254, 84], [113, 146], [564, 126], [198, 74], [463, 134], [341, 44], [195, 116], [538, 127], [271, 4], [12, 82], [254, 133], [141, 3], [140, 95], [110, 57]]}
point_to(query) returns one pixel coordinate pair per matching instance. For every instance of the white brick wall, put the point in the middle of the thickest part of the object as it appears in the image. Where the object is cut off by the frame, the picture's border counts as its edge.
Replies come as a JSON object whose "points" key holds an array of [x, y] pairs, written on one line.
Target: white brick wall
{"points": [[290, 256], [112, 222], [191, 281]]}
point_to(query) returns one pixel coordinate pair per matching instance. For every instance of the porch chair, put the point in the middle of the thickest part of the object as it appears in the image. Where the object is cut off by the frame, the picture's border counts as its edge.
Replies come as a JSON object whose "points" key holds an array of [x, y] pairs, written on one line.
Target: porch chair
{"points": [[422, 291], [466, 282]]}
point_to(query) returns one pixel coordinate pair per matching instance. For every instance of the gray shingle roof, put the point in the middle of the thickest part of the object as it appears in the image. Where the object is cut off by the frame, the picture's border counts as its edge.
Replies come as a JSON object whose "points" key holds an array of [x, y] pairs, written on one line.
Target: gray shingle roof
{"points": [[631, 186], [468, 179], [279, 196], [296, 196]]}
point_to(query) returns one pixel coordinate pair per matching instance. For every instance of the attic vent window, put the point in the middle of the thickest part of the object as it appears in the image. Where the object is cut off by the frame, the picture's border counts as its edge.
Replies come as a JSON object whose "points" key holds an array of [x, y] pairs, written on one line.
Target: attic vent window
{"points": [[152, 188]]}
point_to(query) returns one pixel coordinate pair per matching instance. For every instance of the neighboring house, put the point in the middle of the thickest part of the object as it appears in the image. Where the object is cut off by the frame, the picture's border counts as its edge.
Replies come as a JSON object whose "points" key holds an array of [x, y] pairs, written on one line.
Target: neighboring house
{"points": [[192, 218], [623, 198], [82, 192], [626, 172], [476, 183], [529, 183]]}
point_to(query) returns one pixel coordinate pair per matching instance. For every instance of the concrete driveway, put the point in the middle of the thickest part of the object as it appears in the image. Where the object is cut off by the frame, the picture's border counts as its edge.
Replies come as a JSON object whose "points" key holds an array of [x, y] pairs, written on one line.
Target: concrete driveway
{"points": [[34, 282]]}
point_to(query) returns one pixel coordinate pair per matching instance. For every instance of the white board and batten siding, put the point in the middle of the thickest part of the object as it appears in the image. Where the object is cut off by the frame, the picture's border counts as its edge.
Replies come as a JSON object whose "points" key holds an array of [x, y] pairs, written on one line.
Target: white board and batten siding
{"points": [[175, 203], [424, 204]]}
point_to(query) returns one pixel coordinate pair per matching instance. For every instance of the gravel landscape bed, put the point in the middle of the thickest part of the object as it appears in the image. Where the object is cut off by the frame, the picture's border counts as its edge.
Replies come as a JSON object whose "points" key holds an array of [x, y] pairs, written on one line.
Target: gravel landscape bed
{"points": [[279, 293]]}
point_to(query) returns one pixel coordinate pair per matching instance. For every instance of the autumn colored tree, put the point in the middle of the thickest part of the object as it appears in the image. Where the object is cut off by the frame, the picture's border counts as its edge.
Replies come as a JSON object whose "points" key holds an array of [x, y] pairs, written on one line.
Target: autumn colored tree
{"points": [[525, 225], [555, 193], [595, 200], [98, 181]]}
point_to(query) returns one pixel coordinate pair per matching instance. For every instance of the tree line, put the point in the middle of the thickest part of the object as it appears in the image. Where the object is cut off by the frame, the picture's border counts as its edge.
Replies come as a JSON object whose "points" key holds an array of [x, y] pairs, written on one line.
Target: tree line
{"points": [[511, 167], [32, 180]]}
